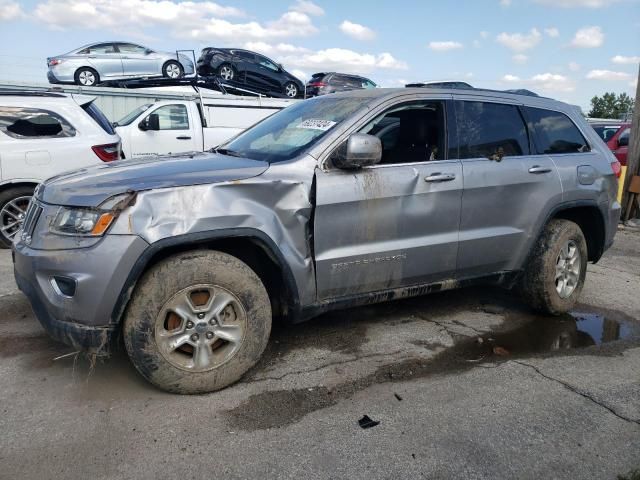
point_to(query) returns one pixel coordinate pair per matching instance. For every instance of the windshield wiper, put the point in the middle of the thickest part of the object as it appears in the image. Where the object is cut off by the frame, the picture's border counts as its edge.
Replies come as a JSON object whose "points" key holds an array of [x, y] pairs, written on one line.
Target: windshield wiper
{"points": [[226, 151]]}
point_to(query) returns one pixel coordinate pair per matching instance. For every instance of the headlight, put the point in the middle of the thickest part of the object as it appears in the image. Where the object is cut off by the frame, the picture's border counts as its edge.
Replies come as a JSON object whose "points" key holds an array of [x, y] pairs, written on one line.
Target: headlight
{"points": [[81, 221], [91, 222]]}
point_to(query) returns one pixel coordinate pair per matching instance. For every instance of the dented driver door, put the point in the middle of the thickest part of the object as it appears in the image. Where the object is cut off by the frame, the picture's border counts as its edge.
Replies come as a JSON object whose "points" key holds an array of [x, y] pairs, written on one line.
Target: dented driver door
{"points": [[386, 226]]}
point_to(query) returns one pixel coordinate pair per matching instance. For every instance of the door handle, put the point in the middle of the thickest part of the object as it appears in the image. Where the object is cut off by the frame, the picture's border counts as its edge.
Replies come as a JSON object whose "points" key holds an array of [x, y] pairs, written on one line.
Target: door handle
{"points": [[539, 169], [92, 56], [440, 177], [124, 57], [183, 137]]}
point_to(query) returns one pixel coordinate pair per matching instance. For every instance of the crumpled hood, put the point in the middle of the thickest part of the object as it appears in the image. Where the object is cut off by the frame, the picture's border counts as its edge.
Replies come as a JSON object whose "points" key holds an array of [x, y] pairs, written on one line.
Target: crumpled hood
{"points": [[89, 187]]}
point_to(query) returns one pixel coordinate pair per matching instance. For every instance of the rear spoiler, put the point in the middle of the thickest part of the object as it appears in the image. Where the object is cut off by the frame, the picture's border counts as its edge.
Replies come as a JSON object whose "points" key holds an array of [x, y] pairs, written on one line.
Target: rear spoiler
{"points": [[82, 100]]}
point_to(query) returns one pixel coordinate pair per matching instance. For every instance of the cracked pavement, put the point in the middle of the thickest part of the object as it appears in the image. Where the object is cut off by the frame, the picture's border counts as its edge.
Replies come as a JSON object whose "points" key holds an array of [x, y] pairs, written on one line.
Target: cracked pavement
{"points": [[465, 384]]}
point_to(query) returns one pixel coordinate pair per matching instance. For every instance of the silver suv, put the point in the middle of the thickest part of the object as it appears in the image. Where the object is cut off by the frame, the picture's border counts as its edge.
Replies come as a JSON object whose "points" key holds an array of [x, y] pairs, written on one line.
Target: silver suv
{"points": [[341, 200]]}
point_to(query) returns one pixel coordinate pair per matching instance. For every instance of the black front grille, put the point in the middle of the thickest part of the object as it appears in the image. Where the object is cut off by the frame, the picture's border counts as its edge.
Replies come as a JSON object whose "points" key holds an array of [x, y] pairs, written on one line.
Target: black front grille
{"points": [[31, 218]]}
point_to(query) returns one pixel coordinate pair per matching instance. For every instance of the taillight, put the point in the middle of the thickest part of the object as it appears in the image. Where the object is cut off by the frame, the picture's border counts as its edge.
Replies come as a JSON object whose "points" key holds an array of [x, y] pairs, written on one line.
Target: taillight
{"points": [[617, 168], [317, 84], [54, 61], [108, 152]]}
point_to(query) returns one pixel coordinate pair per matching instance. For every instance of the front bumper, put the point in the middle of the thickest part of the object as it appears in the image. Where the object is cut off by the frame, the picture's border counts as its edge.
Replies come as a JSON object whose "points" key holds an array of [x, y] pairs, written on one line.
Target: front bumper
{"points": [[85, 319]]}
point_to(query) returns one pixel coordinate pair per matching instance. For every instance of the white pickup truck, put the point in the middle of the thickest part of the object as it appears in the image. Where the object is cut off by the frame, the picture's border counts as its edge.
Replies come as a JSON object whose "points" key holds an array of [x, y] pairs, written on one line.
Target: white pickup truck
{"points": [[175, 126]]}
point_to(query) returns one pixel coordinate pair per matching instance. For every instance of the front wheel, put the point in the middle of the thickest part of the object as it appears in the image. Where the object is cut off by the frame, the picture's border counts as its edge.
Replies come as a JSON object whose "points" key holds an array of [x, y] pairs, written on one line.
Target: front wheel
{"points": [[291, 90], [172, 69], [13, 208], [197, 322], [556, 271]]}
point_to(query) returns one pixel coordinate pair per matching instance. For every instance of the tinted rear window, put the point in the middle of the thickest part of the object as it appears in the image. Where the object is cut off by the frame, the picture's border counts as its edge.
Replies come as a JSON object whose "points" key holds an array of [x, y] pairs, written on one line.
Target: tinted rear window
{"points": [[490, 130], [555, 132], [95, 113]]}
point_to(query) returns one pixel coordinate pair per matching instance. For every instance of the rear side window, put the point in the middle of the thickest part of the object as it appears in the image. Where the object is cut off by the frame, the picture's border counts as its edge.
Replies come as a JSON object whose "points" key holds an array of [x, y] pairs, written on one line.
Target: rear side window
{"points": [[24, 123], [98, 49], [96, 114], [555, 132], [244, 55], [490, 130]]}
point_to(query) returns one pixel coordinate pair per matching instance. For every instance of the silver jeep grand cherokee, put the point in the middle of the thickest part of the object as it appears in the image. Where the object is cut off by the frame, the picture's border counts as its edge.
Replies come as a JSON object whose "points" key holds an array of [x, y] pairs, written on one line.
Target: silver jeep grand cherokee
{"points": [[341, 200]]}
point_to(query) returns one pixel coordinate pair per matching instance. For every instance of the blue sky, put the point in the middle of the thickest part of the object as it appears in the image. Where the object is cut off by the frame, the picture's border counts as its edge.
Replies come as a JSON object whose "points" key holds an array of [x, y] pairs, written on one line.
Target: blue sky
{"points": [[566, 49]]}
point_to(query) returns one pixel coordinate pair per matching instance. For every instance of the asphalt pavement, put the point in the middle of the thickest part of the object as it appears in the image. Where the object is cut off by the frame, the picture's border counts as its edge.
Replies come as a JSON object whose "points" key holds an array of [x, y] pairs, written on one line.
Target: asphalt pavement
{"points": [[464, 384]]}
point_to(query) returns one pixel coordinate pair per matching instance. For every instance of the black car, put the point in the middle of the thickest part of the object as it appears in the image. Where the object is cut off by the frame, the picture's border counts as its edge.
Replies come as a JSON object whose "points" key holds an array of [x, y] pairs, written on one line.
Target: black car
{"points": [[251, 70], [330, 82]]}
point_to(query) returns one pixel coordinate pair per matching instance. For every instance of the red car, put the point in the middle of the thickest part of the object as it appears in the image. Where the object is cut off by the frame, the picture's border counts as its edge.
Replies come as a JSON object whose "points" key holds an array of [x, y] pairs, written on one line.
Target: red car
{"points": [[616, 136]]}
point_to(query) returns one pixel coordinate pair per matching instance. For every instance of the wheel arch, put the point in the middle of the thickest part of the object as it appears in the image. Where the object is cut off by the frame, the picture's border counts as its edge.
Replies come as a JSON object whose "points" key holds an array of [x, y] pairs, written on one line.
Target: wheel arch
{"points": [[18, 183], [172, 60], [588, 216], [251, 246]]}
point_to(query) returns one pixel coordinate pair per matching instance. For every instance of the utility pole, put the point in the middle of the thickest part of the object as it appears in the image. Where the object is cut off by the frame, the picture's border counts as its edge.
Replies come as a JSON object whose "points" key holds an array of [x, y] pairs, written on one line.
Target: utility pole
{"points": [[633, 157]]}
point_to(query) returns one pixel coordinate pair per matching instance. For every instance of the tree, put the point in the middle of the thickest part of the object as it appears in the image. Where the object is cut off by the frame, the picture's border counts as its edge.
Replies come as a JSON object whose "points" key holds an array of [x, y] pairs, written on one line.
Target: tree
{"points": [[610, 105]]}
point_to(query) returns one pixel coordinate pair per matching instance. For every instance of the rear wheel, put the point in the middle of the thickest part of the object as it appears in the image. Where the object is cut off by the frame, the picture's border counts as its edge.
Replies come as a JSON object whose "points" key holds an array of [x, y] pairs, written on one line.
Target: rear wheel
{"points": [[87, 77], [13, 207], [197, 322], [555, 274], [291, 90], [226, 72], [172, 69]]}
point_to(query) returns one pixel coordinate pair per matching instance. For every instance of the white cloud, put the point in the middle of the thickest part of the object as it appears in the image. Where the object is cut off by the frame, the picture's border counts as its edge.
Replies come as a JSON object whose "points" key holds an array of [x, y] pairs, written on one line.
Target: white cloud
{"points": [[520, 58], [280, 48], [290, 24], [505, 3], [308, 7], [357, 31], [519, 42], [622, 60], [302, 75], [574, 67], [577, 3], [607, 75], [551, 82], [10, 10], [444, 46], [552, 32], [588, 37], [510, 78], [118, 14], [343, 59], [484, 34]]}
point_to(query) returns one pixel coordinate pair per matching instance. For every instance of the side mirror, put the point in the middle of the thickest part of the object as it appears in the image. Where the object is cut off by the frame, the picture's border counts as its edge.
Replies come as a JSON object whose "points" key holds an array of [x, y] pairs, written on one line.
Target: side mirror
{"points": [[152, 122], [623, 141], [280, 67], [360, 150], [148, 51]]}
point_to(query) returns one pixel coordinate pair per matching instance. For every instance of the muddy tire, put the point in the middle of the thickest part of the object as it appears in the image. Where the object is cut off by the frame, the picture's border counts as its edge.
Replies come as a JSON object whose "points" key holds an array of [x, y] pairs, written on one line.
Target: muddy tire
{"points": [[13, 207], [197, 322], [555, 273]]}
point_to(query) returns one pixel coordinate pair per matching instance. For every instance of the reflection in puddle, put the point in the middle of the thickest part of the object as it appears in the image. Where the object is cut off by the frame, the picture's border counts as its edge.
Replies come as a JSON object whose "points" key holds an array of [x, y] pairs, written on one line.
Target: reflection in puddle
{"points": [[600, 329], [548, 334]]}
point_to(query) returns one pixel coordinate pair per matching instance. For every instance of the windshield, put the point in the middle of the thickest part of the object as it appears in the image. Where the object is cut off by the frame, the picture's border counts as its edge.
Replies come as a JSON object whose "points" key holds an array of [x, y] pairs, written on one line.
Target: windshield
{"points": [[293, 130], [132, 115]]}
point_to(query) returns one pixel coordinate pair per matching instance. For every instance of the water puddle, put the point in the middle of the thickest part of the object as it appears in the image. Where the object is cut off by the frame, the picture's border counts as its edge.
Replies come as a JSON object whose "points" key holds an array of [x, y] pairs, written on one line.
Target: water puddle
{"points": [[549, 334]]}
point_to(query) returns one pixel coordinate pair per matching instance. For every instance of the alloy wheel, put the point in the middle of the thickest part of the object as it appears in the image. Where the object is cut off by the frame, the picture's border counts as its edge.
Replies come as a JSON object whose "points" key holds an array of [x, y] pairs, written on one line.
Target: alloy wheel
{"points": [[568, 265], [291, 90], [226, 72], [200, 328], [172, 70], [12, 216], [87, 78]]}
